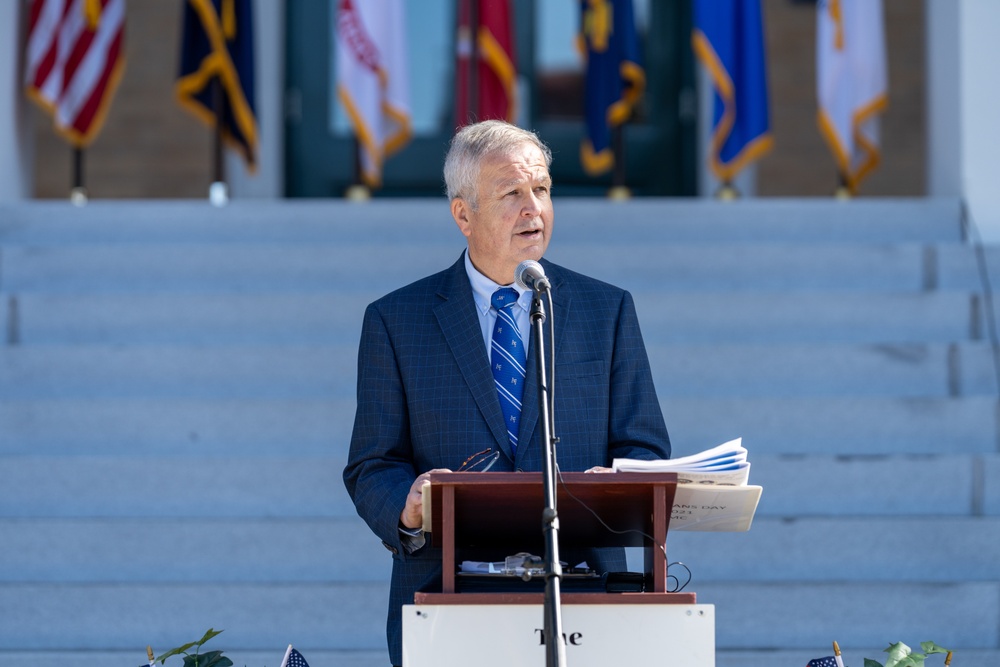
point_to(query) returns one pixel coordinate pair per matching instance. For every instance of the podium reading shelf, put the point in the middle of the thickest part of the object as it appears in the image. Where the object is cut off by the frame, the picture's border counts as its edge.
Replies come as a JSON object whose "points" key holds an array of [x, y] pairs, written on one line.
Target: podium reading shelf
{"points": [[498, 510]]}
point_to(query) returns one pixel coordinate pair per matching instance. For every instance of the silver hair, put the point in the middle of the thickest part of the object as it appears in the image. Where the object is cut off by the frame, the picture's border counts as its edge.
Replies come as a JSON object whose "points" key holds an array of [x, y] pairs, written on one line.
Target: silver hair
{"points": [[473, 144]]}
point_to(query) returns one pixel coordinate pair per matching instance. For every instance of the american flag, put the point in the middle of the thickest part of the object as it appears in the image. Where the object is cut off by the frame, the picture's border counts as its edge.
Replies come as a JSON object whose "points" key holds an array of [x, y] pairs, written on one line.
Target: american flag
{"points": [[829, 661], [74, 59], [293, 658]]}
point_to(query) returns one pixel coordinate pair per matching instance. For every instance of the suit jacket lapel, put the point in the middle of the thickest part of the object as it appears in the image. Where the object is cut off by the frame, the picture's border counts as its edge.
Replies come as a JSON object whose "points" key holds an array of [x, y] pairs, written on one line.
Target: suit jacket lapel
{"points": [[459, 322], [529, 402]]}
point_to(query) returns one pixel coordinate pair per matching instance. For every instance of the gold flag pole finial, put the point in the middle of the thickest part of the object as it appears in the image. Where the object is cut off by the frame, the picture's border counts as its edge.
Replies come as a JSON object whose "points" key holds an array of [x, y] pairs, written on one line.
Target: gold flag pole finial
{"points": [[947, 660], [149, 654], [836, 655], [92, 12]]}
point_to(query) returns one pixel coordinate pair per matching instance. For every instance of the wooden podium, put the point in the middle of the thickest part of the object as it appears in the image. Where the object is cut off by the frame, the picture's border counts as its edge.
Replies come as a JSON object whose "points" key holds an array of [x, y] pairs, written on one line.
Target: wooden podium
{"points": [[503, 512], [499, 510]]}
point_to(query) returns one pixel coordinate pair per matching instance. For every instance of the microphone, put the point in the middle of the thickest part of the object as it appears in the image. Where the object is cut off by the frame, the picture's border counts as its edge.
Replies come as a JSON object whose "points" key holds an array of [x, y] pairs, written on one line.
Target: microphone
{"points": [[529, 274]]}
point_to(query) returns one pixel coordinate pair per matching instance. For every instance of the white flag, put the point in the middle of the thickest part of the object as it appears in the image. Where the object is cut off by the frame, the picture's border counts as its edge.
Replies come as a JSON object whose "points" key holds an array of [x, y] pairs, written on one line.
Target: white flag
{"points": [[851, 82], [372, 81]]}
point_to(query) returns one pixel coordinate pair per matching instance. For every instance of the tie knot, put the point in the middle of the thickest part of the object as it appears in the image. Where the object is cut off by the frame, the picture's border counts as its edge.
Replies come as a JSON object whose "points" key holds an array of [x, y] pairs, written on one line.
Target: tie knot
{"points": [[504, 297]]}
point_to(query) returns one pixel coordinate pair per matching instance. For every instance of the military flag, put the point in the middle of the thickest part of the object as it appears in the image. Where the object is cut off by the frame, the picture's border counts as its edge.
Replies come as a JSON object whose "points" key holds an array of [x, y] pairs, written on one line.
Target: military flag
{"points": [[616, 79], [372, 80], [217, 50], [851, 83], [495, 94], [728, 39]]}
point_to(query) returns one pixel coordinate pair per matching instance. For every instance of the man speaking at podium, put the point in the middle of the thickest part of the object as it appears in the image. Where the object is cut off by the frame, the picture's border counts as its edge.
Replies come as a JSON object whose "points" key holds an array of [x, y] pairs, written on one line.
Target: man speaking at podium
{"points": [[441, 377]]}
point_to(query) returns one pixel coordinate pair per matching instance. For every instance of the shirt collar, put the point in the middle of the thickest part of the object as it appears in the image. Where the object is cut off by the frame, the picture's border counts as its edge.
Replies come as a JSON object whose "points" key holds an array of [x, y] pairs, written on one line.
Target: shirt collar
{"points": [[483, 288]]}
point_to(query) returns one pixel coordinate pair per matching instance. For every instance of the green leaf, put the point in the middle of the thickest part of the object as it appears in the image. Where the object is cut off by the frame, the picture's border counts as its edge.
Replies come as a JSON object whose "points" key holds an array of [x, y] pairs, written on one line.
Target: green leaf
{"points": [[184, 649], [872, 663], [208, 635], [931, 647], [214, 659], [176, 651], [217, 661], [897, 652]]}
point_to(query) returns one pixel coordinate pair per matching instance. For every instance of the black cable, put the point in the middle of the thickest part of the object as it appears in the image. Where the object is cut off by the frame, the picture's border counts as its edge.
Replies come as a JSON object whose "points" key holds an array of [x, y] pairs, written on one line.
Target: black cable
{"points": [[972, 234], [652, 540]]}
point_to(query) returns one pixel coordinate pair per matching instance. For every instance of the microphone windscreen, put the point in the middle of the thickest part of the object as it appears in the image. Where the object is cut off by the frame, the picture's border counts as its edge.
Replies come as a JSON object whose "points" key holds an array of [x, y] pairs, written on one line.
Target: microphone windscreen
{"points": [[527, 272]]}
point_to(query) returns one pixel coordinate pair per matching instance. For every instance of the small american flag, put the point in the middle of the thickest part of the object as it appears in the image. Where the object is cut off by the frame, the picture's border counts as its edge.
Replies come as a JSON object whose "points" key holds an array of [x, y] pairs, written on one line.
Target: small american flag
{"points": [[829, 661], [293, 659]]}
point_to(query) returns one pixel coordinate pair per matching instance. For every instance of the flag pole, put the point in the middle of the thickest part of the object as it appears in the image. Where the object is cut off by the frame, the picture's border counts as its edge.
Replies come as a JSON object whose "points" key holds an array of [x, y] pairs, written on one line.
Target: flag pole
{"points": [[357, 190], [836, 655], [78, 193], [619, 190], [218, 193], [727, 191], [843, 190], [472, 106]]}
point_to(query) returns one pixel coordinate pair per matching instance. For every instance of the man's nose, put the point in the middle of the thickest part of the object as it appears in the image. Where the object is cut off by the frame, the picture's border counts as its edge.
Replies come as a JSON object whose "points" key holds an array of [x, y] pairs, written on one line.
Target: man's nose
{"points": [[532, 206]]}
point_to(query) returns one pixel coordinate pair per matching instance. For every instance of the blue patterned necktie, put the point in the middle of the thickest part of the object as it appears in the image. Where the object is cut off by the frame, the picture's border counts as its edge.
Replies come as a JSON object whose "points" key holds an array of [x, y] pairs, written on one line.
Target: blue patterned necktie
{"points": [[507, 361]]}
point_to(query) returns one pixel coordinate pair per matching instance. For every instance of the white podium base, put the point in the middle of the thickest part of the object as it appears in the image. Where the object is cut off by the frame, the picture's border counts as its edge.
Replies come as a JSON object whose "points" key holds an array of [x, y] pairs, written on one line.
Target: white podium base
{"points": [[596, 635]]}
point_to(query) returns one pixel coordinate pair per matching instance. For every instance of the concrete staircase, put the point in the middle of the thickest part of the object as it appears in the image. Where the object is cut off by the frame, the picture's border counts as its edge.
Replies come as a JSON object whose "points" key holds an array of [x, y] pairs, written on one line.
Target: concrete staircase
{"points": [[177, 395]]}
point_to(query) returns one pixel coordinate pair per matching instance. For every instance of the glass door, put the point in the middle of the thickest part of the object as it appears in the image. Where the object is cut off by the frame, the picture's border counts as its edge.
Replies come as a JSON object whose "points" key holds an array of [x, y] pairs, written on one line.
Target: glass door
{"points": [[659, 144]]}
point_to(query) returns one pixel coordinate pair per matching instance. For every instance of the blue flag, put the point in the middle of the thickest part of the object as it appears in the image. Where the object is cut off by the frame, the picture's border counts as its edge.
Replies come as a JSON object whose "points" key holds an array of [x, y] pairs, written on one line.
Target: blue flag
{"points": [[218, 47], [615, 77], [728, 39]]}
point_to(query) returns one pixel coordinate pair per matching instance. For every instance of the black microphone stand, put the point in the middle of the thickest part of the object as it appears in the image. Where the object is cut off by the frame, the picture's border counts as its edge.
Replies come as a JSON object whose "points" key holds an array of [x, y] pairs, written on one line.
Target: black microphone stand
{"points": [[555, 654]]}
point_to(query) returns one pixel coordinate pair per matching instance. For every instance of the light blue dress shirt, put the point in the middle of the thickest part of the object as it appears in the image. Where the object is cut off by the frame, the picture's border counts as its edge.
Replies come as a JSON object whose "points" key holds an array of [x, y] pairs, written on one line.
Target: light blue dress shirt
{"points": [[482, 292]]}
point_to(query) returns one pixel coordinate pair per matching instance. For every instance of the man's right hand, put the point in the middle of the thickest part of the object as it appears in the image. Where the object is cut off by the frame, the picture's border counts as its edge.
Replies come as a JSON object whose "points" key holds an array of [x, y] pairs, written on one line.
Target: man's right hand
{"points": [[412, 515]]}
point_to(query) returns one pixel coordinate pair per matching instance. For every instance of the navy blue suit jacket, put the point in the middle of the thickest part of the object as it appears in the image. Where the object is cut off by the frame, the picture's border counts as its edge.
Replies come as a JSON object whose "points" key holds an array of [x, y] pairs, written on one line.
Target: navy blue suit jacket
{"points": [[427, 399]]}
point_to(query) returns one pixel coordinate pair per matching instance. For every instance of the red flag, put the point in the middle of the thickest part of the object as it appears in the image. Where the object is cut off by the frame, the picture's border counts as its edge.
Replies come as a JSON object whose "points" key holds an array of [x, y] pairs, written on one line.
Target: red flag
{"points": [[497, 78], [75, 58]]}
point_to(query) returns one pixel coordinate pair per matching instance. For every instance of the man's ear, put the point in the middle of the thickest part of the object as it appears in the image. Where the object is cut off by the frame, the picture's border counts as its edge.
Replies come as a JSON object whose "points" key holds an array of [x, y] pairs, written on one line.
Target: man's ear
{"points": [[460, 210]]}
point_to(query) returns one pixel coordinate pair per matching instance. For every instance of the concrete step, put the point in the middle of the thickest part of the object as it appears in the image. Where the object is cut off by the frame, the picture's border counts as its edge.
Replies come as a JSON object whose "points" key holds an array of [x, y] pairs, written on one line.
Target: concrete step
{"points": [[176, 428], [160, 488], [185, 428], [376, 269], [295, 549], [329, 371], [965, 267], [732, 267], [163, 372], [802, 370], [854, 549], [673, 220], [262, 616], [148, 550], [137, 486], [233, 267], [836, 424], [320, 318], [332, 615], [794, 317], [857, 486], [805, 616]]}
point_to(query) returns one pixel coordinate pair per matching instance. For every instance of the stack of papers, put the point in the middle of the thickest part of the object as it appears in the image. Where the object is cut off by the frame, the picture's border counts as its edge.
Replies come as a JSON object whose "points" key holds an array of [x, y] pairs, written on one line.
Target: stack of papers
{"points": [[725, 465], [712, 491]]}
